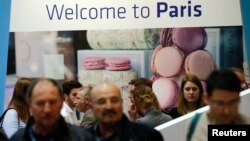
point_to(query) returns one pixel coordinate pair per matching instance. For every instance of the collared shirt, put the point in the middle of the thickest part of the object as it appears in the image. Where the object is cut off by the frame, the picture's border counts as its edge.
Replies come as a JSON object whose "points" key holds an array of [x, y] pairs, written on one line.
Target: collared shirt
{"points": [[69, 114]]}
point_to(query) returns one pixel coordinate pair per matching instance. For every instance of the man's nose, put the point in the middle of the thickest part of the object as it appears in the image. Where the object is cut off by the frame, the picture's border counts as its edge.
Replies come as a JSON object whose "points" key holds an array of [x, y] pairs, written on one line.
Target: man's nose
{"points": [[47, 107], [108, 104], [75, 102], [226, 109]]}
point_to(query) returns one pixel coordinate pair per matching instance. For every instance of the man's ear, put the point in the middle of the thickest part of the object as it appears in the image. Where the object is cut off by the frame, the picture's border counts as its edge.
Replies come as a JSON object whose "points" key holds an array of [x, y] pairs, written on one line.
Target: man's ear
{"points": [[65, 96], [87, 100]]}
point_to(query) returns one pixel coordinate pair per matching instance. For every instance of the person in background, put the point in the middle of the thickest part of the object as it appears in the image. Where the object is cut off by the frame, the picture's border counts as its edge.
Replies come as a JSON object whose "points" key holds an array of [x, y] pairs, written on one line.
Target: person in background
{"points": [[112, 124], [240, 74], [223, 88], [83, 105], [144, 102], [45, 99], [70, 90], [132, 109], [190, 97], [17, 114]]}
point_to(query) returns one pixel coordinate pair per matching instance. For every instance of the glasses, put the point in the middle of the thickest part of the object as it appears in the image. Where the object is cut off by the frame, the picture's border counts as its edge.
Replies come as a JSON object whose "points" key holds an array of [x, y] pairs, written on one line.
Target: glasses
{"points": [[221, 103]]}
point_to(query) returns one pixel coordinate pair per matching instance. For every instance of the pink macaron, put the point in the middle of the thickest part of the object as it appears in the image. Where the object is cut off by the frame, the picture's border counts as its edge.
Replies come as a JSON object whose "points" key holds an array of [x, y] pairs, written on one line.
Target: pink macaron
{"points": [[118, 64], [158, 47], [201, 63], [93, 63], [189, 39], [168, 61], [166, 91]]}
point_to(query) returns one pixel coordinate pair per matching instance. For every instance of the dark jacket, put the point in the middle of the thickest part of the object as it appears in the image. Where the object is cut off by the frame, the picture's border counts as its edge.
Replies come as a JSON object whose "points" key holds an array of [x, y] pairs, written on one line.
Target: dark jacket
{"points": [[132, 131], [174, 113], [63, 132], [154, 118]]}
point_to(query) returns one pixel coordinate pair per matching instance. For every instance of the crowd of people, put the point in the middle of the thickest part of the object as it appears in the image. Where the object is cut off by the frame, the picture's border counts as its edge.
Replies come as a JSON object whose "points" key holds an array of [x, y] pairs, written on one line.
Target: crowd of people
{"points": [[44, 109]]}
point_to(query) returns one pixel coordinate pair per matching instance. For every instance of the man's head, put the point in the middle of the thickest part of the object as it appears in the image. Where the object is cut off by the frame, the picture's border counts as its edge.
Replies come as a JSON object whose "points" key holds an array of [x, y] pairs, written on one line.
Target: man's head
{"points": [[70, 90], [223, 88], [106, 103], [139, 81], [45, 99], [82, 99], [144, 99]]}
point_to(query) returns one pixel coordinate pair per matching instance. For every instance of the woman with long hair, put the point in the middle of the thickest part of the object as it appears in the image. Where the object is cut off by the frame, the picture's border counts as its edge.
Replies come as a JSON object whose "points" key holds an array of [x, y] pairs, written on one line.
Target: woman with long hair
{"points": [[17, 113], [190, 97]]}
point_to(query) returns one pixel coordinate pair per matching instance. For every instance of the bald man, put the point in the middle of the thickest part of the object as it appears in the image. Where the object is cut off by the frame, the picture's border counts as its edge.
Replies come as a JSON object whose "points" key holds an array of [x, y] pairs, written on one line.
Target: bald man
{"points": [[112, 124]]}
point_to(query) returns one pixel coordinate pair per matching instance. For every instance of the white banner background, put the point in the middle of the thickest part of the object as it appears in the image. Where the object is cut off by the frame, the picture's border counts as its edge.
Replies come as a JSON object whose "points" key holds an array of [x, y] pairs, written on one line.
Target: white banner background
{"points": [[32, 15]]}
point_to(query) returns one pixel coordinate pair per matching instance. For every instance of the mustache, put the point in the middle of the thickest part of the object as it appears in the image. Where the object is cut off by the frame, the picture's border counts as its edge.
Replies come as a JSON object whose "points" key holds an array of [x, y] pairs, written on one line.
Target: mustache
{"points": [[107, 112]]}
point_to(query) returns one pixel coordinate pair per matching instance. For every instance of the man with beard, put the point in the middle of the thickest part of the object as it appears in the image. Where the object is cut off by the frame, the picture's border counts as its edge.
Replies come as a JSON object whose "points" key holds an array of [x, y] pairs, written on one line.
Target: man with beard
{"points": [[70, 90], [45, 100], [112, 124]]}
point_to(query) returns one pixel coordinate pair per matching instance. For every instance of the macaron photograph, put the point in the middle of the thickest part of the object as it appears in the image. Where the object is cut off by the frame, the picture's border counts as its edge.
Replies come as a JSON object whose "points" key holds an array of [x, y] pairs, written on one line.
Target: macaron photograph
{"points": [[118, 64], [93, 63]]}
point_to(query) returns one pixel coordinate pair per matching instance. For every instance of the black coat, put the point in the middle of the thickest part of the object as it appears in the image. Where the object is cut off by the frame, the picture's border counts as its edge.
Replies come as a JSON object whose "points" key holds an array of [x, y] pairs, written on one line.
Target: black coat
{"points": [[132, 131], [64, 132]]}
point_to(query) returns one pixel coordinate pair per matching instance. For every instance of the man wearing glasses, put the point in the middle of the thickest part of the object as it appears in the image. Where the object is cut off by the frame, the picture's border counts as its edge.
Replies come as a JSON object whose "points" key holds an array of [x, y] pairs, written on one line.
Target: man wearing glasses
{"points": [[223, 88]]}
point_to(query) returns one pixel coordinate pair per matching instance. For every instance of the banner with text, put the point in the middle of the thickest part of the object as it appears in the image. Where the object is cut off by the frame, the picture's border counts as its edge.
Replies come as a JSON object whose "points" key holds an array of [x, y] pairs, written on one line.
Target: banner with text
{"points": [[55, 15]]}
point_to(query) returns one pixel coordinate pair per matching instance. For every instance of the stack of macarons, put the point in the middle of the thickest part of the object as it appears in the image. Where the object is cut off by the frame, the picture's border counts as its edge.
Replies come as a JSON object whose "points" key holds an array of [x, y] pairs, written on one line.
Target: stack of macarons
{"points": [[118, 64], [93, 63], [181, 51], [111, 64]]}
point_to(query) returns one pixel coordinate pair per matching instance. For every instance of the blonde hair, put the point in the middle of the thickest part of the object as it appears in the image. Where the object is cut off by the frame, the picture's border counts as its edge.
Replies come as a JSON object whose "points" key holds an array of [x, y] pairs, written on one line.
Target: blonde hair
{"points": [[145, 102]]}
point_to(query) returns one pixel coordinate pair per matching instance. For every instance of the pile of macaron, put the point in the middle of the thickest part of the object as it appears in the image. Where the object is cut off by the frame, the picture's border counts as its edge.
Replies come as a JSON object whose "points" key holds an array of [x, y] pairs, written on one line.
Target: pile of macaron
{"points": [[111, 64], [180, 52]]}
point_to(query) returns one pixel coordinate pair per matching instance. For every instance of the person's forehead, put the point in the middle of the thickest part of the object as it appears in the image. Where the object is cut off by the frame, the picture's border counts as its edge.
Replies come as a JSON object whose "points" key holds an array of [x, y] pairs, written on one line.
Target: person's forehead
{"points": [[44, 87], [81, 94], [106, 95], [75, 90], [224, 94], [190, 84], [105, 92]]}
